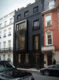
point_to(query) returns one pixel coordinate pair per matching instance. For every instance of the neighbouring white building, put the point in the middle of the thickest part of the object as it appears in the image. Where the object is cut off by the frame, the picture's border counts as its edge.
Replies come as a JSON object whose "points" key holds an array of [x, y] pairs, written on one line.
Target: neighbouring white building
{"points": [[6, 37]]}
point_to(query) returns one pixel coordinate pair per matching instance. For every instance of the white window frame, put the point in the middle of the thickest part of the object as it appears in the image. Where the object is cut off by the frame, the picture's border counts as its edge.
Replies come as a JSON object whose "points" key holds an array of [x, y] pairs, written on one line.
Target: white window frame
{"points": [[11, 20], [9, 31], [4, 44], [9, 43], [51, 33], [5, 32], [46, 19], [51, 4]]}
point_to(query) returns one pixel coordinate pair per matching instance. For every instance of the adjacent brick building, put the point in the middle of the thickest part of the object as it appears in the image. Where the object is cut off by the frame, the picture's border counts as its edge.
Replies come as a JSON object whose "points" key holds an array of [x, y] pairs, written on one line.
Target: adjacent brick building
{"points": [[51, 33]]}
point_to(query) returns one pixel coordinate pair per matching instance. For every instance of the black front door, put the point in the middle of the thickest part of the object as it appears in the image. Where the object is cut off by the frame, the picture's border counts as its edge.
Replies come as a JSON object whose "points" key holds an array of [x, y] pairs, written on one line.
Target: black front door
{"points": [[49, 58]]}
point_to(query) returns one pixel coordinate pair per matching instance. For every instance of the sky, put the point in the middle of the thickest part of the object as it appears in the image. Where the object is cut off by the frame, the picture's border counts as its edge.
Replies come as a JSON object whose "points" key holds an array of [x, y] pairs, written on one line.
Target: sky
{"points": [[7, 6]]}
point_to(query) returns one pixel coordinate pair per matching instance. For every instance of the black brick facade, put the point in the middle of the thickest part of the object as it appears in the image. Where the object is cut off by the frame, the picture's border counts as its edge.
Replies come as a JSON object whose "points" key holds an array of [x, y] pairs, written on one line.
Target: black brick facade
{"points": [[30, 17]]}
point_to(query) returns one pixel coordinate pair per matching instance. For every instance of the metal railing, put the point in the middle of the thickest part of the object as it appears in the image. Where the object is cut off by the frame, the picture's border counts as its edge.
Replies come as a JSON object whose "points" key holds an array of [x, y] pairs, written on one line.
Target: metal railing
{"points": [[3, 50]]}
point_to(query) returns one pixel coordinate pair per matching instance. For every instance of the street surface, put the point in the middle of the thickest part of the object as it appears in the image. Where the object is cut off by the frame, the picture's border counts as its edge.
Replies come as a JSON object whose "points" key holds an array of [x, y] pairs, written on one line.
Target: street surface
{"points": [[37, 76]]}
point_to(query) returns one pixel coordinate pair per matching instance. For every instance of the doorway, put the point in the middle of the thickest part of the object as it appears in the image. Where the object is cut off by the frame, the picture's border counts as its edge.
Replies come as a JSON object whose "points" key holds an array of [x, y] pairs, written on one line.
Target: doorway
{"points": [[49, 58]]}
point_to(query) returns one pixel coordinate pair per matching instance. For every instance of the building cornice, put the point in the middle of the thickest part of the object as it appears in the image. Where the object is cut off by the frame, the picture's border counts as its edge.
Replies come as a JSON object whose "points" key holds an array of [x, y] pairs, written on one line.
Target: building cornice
{"points": [[6, 15], [49, 10]]}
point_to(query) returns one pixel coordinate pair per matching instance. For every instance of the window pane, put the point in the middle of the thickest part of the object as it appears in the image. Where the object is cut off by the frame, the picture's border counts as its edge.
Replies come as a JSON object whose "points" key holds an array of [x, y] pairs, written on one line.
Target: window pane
{"points": [[36, 24], [0, 34], [0, 25], [9, 32], [4, 43], [27, 58], [21, 42], [49, 36], [36, 42], [49, 39], [22, 26], [22, 33], [51, 4], [9, 44], [11, 20], [48, 20], [19, 58], [4, 33], [26, 13], [35, 9], [3, 56], [0, 45], [18, 17]]}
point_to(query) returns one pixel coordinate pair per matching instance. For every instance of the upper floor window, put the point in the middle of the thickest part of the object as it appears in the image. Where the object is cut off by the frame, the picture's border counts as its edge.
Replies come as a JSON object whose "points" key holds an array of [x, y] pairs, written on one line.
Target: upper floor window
{"points": [[9, 44], [4, 44], [11, 20], [0, 34], [48, 20], [0, 24], [9, 32], [19, 17], [22, 31], [49, 38], [35, 9], [36, 24], [0, 45], [26, 13], [5, 23], [51, 4], [4, 33]]}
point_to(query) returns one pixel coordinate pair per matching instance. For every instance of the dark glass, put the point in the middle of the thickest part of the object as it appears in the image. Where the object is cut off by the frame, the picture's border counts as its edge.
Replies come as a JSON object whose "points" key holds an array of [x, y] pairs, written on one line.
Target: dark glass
{"points": [[18, 17], [49, 39], [26, 13], [35, 9], [21, 38], [36, 24], [36, 42]]}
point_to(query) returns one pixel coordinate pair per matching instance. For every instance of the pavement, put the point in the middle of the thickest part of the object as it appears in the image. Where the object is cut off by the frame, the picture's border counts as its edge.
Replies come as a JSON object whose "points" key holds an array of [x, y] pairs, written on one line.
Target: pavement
{"points": [[30, 69], [36, 74]]}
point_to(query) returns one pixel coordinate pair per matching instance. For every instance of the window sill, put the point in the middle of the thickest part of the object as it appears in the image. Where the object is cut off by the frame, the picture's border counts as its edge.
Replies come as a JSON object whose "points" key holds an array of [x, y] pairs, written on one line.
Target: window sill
{"points": [[37, 28]]}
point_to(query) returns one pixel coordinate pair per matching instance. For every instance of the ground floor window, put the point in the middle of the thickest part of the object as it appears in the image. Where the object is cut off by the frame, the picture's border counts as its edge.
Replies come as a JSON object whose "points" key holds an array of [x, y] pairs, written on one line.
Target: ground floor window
{"points": [[0, 58], [9, 58], [19, 58], [27, 58], [3, 56]]}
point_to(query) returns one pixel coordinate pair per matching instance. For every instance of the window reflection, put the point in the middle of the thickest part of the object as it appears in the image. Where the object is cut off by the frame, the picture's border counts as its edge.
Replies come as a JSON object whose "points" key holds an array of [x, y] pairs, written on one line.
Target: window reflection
{"points": [[21, 42], [36, 42], [21, 38]]}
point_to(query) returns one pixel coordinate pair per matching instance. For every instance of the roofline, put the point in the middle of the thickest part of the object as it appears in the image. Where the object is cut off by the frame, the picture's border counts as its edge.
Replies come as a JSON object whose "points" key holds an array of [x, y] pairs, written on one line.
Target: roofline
{"points": [[50, 10], [7, 15]]}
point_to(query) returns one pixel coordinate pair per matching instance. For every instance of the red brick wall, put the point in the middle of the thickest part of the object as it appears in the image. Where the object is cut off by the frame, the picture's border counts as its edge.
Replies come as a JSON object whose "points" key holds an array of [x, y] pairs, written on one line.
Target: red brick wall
{"points": [[54, 27], [57, 3]]}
